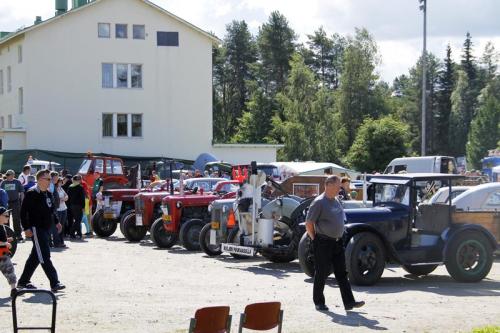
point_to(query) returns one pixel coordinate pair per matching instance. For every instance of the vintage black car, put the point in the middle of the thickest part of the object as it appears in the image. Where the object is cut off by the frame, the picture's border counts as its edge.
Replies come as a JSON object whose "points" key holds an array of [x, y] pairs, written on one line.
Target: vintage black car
{"points": [[402, 229]]}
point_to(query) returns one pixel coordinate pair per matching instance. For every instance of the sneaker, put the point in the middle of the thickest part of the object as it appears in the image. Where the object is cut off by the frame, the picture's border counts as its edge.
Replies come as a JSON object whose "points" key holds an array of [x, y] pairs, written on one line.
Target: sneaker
{"points": [[354, 305], [321, 307], [13, 292], [28, 285], [61, 246], [57, 287]]}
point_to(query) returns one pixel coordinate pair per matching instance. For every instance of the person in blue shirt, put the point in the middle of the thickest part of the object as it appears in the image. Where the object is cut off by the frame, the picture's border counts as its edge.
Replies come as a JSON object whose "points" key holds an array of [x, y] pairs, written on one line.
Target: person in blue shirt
{"points": [[31, 182], [4, 198]]}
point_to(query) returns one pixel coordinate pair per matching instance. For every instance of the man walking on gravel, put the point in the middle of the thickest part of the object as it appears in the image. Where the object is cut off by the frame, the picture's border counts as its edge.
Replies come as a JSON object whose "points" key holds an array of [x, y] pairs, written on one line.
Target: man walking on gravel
{"points": [[325, 226], [37, 214]]}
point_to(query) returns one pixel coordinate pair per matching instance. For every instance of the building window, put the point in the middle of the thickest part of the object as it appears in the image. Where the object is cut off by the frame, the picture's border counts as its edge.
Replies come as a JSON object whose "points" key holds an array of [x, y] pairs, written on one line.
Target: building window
{"points": [[103, 30], [9, 120], [136, 76], [139, 31], [107, 124], [9, 79], [122, 125], [122, 76], [107, 75], [19, 53], [121, 31], [137, 125], [165, 38], [1, 82], [20, 96]]}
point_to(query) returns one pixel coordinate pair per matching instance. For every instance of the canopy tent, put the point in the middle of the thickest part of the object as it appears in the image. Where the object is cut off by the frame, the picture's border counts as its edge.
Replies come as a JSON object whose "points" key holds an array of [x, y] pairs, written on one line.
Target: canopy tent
{"points": [[16, 159], [289, 169]]}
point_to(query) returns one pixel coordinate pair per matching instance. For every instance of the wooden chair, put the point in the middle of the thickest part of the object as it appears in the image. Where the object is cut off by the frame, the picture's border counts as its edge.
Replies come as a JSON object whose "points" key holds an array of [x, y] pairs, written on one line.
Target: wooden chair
{"points": [[214, 319], [262, 317]]}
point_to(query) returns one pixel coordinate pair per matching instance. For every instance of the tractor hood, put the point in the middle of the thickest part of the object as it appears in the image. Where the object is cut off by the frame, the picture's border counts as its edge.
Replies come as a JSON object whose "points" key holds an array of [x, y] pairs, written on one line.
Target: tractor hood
{"points": [[362, 215]]}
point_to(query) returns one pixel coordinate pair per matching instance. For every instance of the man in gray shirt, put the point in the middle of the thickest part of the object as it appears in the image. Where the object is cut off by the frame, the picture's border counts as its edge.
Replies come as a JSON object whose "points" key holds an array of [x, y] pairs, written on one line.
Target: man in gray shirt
{"points": [[325, 226]]}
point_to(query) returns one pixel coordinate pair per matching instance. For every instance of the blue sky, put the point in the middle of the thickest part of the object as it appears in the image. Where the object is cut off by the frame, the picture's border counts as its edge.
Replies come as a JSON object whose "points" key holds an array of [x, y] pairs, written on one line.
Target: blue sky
{"points": [[395, 24]]}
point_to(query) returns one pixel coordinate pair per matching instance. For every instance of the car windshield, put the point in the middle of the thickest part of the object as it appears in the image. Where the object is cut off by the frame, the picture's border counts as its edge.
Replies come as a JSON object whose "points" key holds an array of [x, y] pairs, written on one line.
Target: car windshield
{"points": [[270, 170], [206, 185], [392, 193], [84, 168], [227, 188]]}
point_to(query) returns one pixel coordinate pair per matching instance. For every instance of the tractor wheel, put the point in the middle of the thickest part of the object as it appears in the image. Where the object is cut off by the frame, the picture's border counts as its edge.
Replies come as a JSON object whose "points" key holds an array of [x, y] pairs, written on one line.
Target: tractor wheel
{"points": [[190, 234], [10, 233], [306, 255], [420, 270], [162, 238], [103, 227], [469, 257], [132, 232], [290, 237], [209, 249], [122, 218], [234, 238], [365, 258]]}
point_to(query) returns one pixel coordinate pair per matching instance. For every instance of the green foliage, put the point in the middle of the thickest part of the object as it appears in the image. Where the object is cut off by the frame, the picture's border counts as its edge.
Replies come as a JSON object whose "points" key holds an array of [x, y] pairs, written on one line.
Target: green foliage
{"points": [[487, 329], [377, 143], [484, 133], [458, 121], [443, 111]]}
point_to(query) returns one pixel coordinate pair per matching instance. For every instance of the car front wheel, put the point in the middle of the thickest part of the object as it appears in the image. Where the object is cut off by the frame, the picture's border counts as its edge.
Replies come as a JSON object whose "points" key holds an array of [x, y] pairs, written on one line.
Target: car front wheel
{"points": [[365, 258]]}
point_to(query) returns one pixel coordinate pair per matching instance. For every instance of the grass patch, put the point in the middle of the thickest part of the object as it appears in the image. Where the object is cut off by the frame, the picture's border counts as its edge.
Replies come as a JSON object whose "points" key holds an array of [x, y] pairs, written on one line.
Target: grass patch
{"points": [[487, 329]]}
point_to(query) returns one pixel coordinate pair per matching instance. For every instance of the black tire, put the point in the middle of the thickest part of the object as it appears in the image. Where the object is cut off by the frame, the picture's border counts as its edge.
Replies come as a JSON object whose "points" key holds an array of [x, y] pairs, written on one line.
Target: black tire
{"points": [[103, 227], [420, 270], [122, 218], [132, 232], [162, 238], [190, 234], [469, 256], [306, 255], [287, 252], [209, 249], [234, 238], [365, 259], [10, 233]]}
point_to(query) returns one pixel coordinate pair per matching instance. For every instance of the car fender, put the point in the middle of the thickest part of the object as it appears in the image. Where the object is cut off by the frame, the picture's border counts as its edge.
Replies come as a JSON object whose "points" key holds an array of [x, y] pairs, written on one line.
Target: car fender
{"points": [[449, 234], [352, 229]]}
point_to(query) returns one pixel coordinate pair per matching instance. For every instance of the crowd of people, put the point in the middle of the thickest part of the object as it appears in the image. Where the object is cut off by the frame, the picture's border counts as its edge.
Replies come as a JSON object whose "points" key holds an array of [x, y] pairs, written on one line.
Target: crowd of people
{"points": [[50, 208]]}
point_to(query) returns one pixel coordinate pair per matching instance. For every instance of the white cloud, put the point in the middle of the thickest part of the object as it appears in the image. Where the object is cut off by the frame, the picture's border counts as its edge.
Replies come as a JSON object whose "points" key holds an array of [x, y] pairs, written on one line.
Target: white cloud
{"points": [[395, 24]]}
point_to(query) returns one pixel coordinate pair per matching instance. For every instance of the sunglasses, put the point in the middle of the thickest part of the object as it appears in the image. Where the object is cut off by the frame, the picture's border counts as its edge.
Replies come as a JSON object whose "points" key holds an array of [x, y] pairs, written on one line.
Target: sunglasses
{"points": [[44, 178]]}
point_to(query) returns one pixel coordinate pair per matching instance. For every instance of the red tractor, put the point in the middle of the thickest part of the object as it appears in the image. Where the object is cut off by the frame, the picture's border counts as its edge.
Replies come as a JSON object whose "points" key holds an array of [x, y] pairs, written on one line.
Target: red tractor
{"points": [[147, 205], [110, 169], [118, 203]]}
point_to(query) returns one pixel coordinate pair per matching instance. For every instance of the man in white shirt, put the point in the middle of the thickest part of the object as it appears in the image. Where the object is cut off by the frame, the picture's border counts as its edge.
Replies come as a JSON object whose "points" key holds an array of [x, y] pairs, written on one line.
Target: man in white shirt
{"points": [[23, 177]]}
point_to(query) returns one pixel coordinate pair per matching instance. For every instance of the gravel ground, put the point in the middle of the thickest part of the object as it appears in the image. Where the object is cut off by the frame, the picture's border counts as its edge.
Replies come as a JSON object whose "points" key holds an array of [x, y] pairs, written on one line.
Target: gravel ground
{"points": [[116, 286]]}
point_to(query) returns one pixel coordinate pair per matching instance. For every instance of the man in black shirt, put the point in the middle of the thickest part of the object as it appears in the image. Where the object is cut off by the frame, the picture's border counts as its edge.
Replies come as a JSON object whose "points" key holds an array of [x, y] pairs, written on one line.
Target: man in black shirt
{"points": [[37, 214]]}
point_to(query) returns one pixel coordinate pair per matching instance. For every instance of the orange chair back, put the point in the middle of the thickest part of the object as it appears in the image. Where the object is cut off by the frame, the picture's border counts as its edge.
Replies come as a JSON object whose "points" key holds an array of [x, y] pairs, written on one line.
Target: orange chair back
{"points": [[212, 319], [262, 316]]}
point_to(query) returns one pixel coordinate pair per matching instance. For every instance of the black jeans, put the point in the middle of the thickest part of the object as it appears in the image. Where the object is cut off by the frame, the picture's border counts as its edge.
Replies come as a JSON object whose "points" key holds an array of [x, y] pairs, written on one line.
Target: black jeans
{"points": [[76, 226], [40, 254], [327, 252], [16, 217]]}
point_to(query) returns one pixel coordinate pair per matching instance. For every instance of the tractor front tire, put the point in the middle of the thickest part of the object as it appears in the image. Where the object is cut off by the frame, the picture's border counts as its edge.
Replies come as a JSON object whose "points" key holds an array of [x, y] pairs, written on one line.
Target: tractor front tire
{"points": [[103, 227], [190, 234], [306, 255], [209, 249], [365, 259], [122, 218], [469, 257], [161, 237], [132, 232], [234, 238]]}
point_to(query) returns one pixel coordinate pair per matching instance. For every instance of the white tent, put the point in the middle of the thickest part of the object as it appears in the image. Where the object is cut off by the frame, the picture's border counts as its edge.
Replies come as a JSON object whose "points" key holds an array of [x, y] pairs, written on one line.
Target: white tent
{"points": [[289, 169]]}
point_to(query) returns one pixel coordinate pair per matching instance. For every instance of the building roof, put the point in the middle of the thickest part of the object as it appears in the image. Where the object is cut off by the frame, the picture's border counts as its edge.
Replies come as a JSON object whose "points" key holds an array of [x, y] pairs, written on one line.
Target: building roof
{"points": [[91, 3]]}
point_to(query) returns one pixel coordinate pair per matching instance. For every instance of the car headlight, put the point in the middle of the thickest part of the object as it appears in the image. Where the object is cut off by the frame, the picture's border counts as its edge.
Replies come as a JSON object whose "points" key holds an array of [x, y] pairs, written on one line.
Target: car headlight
{"points": [[209, 208], [178, 204]]}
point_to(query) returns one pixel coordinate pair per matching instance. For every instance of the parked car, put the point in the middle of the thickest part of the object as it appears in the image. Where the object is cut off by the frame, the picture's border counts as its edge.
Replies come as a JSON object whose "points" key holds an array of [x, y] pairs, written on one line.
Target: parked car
{"points": [[484, 197], [442, 195], [432, 164]]}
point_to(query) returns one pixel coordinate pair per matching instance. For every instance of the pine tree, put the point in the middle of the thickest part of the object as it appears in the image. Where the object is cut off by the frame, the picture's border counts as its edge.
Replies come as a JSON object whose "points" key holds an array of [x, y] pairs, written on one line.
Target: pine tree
{"points": [[469, 67], [459, 111], [446, 83]]}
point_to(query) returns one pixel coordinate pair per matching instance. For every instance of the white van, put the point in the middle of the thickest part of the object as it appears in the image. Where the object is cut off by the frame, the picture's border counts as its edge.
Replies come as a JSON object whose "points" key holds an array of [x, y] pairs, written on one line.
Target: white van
{"points": [[432, 164], [37, 165]]}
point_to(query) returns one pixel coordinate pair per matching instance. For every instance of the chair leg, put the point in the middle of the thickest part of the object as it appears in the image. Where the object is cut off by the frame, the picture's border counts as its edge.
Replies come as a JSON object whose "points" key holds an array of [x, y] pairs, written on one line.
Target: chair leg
{"points": [[192, 325], [228, 324], [242, 321], [281, 321]]}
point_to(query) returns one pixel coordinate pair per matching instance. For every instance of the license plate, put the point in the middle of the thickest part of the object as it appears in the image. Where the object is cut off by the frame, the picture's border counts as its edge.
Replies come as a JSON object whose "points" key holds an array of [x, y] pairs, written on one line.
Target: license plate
{"points": [[215, 225], [138, 219], [109, 216], [166, 218], [213, 237], [236, 249]]}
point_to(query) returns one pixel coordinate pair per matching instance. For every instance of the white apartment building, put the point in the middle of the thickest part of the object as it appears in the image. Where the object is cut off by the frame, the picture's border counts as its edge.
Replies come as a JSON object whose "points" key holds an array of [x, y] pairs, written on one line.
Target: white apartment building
{"points": [[123, 77]]}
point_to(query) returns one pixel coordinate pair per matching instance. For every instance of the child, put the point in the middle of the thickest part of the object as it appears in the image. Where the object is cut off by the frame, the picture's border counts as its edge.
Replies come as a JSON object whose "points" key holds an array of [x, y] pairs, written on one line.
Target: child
{"points": [[6, 266]]}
